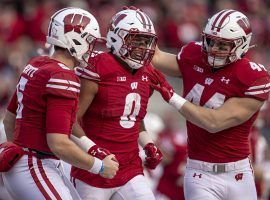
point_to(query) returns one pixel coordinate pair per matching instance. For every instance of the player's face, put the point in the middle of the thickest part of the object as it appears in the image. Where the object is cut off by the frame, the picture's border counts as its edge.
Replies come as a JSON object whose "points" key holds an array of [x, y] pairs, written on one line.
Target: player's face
{"points": [[138, 44], [219, 48], [218, 51]]}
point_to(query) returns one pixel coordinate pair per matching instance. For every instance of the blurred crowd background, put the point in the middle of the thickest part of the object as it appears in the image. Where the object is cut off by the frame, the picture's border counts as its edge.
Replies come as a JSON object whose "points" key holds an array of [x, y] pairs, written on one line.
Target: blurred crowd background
{"points": [[23, 29]]}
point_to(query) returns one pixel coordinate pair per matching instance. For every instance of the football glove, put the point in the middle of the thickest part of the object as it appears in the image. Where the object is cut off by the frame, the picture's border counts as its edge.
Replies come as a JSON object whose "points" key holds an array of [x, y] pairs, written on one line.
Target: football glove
{"points": [[98, 152], [160, 84], [153, 156]]}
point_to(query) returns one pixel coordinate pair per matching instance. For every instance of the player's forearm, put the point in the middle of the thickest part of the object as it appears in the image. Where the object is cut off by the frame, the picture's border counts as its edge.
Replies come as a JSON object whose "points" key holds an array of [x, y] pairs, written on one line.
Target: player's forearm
{"points": [[69, 152], [232, 113], [212, 120], [144, 138], [166, 62], [77, 130], [208, 119]]}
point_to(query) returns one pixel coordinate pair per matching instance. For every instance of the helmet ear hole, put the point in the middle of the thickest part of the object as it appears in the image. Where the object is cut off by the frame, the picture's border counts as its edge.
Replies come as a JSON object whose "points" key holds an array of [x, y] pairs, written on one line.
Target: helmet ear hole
{"points": [[113, 40], [76, 42]]}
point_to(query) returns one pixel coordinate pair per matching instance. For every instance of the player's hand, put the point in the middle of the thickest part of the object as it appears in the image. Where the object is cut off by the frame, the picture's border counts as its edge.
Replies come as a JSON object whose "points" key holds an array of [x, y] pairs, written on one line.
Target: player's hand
{"points": [[153, 156], [160, 84], [111, 166], [98, 152]]}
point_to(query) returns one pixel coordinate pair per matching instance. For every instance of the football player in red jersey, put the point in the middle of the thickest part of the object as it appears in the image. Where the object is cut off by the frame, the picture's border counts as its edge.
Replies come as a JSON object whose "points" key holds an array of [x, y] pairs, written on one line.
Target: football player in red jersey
{"points": [[42, 112], [114, 95], [223, 93]]}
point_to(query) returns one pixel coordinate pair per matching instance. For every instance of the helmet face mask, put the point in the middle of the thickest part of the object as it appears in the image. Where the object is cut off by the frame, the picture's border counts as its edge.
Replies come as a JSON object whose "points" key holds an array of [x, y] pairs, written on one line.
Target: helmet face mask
{"points": [[226, 38], [76, 30], [220, 51], [132, 37], [138, 48]]}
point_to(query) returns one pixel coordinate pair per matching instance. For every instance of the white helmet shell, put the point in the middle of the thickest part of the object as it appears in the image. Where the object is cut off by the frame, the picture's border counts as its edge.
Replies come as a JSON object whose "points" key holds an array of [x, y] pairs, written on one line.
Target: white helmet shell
{"points": [[228, 26], [131, 21], [74, 29]]}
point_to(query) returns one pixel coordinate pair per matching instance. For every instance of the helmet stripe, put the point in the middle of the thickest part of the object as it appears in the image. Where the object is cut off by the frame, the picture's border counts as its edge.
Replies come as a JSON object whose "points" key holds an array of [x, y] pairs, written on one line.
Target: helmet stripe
{"points": [[119, 18], [214, 23], [148, 22], [245, 25], [143, 19], [223, 19]]}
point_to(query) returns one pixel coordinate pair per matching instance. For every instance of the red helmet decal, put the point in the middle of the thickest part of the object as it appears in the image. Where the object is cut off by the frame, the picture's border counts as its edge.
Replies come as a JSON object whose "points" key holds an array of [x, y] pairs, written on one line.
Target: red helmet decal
{"points": [[245, 25], [75, 22], [146, 22], [118, 19]]}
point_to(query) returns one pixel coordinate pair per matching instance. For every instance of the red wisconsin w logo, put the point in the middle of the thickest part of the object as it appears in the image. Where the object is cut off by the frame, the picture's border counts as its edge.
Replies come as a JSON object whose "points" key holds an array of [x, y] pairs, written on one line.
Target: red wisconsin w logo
{"points": [[75, 22], [239, 176]]}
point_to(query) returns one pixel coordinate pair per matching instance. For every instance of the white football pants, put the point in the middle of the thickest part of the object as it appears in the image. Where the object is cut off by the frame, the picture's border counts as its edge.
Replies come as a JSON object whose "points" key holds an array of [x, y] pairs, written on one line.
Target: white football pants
{"points": [[4, 195], [135, 189], [237, 182], [38, 179]]}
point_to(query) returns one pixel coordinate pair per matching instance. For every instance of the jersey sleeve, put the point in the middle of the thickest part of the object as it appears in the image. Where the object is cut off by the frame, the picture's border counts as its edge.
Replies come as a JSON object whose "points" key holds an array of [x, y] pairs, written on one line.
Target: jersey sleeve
{"points": [[182, 54], [63, 84], [12, 106], [256, 81], [188, 53], [60, 114]]}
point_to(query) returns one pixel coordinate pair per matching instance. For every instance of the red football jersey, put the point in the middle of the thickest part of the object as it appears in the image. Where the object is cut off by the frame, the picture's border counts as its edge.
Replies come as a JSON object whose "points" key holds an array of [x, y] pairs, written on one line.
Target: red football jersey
{"points": [[204, 87], [45, 101], [113, 119]]}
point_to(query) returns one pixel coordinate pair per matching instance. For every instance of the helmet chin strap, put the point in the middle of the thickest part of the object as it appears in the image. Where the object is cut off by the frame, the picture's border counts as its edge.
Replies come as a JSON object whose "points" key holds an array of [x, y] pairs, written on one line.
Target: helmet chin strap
{"points": [[214, 62]]}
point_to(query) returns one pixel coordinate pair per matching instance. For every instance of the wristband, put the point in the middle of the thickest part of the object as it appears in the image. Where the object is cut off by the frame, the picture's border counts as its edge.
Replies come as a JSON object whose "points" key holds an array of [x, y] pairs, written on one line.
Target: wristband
{"points": [[102, 168], [177, 101], [97, 166], [84, 142]]}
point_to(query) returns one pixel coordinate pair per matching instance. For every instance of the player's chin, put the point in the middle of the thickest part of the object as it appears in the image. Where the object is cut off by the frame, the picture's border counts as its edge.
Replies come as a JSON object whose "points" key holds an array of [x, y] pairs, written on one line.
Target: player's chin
{"points": [[217, 62]]}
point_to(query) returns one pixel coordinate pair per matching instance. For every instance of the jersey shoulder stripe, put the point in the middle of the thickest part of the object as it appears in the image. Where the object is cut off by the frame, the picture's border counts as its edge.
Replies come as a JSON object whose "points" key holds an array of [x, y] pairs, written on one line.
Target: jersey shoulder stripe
{"points": [[85, 73], [63, 84]]}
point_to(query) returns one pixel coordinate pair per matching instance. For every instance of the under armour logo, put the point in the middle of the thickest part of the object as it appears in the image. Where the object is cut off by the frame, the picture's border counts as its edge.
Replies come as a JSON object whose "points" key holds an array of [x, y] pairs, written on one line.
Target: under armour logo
{"points": [[199, 175], [239, 176], [100, 151], [144, 78], [93, 152], [223, 79], [208, 81]]}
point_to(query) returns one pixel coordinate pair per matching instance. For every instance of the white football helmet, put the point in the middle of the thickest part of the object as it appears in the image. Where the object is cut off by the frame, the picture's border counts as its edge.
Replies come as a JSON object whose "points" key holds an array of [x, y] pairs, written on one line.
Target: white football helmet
{"points": [[231, 29], [132, 37], [76, 30]]}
